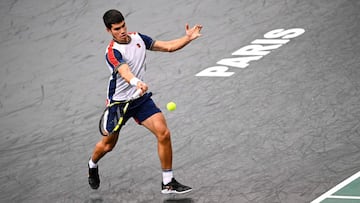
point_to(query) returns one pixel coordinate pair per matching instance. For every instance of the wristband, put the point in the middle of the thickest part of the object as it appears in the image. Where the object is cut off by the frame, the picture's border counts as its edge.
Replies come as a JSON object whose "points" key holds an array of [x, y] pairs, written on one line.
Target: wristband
{"points": [[134, 81]]}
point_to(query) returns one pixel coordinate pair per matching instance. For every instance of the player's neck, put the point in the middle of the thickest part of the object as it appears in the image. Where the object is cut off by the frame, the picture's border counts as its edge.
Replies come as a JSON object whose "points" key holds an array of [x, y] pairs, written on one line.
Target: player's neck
{"points": [[125, 41]]}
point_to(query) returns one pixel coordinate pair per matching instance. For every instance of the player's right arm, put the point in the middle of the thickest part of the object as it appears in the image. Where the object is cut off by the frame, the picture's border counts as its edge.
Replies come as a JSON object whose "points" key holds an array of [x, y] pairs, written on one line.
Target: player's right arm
{"points": [[125, 72], [115, 60]]}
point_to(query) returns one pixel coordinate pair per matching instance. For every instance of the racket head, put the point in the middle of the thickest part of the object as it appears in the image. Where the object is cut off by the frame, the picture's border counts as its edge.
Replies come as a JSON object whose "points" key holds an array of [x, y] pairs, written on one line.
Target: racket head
{"points": [[102, 123], [121, 109]]}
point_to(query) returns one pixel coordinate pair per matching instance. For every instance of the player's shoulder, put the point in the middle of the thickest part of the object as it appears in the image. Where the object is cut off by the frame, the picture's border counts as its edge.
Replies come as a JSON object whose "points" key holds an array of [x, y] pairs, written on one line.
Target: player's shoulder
{"points": [[111, 45], [138, 35]]}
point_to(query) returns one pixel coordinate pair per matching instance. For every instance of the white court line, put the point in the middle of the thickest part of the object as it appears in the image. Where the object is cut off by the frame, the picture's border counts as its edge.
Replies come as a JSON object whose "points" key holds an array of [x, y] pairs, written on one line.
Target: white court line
{"points": [[336, 188], [343, 197]]}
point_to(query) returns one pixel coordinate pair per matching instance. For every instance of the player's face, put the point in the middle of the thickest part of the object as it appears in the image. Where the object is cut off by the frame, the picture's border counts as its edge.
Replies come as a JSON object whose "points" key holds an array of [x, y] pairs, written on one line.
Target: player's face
{"points": [[119, 32]]}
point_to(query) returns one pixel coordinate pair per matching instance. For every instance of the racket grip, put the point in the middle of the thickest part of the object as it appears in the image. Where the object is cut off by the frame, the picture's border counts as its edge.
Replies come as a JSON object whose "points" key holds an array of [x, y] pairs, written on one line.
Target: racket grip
{"points": [[136, 94]]}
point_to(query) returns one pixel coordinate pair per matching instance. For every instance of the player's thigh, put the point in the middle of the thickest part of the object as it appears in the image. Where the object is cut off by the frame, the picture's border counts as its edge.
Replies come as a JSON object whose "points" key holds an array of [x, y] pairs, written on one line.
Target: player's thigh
{"points": [[156, 124]]}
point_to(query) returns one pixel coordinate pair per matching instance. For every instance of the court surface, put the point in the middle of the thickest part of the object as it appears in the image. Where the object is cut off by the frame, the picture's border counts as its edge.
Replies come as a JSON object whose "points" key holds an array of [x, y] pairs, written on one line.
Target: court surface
{"points": [[285, 128]]}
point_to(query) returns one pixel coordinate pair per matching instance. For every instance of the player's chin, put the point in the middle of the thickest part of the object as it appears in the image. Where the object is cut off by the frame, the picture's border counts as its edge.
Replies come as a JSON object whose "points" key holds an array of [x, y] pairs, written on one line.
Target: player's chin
{"points": [[122, 37]]}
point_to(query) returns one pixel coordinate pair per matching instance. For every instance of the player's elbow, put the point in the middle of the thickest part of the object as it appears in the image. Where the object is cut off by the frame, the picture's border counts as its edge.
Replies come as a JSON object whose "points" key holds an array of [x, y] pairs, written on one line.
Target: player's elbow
{"points": [[170, 49]]}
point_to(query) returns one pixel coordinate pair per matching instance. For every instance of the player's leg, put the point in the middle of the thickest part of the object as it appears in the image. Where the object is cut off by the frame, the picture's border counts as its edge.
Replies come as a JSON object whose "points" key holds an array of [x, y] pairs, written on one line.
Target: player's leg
{"points": [[109, 120], [105, 145], [157, 125]]}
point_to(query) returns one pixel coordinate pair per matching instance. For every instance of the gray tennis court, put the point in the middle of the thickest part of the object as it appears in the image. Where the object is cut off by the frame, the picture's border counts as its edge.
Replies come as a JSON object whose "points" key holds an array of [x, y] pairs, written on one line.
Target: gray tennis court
{"points": [[277, 121]]}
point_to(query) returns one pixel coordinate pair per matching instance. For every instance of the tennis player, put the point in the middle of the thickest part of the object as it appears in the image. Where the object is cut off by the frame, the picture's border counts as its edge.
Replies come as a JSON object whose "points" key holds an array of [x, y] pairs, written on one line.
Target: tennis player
{"points": [[125, 58]]}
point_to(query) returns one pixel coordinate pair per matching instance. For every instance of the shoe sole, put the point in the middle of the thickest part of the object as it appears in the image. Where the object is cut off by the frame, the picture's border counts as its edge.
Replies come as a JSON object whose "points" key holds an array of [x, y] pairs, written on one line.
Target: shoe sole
{"points": [[174, 191]]}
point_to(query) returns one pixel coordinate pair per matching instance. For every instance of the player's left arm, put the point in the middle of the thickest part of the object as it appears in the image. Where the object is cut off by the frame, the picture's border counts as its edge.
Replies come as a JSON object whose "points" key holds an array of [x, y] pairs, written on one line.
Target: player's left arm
{"points": [[176, 44]]}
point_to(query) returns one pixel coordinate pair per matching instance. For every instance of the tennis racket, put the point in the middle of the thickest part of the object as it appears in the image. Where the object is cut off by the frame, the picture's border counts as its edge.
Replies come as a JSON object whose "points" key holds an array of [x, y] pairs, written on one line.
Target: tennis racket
{"points": [[102, 123]]}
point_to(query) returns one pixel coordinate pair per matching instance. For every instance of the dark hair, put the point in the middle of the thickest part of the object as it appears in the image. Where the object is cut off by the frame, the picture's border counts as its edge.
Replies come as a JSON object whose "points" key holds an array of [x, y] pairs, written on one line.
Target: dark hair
{"points": [[112, 17]]}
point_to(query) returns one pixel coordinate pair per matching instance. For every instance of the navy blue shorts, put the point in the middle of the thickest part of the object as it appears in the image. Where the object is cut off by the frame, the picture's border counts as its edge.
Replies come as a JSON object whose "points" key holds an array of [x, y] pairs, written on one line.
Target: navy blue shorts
{"points": [[140, 109]]}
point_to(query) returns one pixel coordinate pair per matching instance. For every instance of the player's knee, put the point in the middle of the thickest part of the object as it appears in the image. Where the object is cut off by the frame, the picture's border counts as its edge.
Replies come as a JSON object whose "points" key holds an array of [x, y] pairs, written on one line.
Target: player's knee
{"points": [[105, 147], [108, 148], [164, 136]]}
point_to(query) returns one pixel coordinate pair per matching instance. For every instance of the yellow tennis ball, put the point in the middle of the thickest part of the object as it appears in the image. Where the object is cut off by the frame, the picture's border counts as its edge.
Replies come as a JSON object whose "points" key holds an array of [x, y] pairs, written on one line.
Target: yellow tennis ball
{"points": [[171, 106]]}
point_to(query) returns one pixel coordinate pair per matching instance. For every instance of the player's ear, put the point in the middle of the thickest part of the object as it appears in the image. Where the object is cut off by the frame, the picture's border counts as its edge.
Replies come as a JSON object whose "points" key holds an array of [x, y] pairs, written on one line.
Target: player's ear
{"points": [[108, 30]]}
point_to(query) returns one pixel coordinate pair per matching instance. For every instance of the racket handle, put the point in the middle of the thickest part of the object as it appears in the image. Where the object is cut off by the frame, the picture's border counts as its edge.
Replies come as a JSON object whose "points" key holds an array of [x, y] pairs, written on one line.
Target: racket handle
{"points": [[136, 94]]}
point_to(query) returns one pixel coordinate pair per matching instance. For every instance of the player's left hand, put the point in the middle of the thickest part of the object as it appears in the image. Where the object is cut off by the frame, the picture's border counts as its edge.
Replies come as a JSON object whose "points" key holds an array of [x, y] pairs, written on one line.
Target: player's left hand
{"points": [[194, 32]]}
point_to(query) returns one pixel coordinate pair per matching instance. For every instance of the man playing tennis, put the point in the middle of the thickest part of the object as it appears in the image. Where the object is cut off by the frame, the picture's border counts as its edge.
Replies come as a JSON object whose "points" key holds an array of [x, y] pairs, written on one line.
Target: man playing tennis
{"points": [[125, 57]]}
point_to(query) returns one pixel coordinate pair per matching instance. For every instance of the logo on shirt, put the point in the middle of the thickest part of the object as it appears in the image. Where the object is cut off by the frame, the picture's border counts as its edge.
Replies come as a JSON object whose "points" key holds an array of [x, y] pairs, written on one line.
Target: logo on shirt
{"points": [[138, 45]]}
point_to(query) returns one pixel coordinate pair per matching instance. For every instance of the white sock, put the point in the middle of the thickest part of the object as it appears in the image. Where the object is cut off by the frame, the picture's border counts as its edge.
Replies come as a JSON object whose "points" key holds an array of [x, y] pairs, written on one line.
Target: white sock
{"points": [[92, 164], [167, 176]]}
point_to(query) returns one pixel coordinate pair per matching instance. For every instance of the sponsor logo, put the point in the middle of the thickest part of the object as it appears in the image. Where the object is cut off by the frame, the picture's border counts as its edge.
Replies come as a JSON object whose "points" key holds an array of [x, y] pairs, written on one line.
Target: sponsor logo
{"points": [[255, 51]]}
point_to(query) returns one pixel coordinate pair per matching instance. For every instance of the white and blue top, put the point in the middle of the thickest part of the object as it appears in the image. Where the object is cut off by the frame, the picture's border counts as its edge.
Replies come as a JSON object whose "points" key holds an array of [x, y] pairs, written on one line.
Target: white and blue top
{"points": [[133, 54]]}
